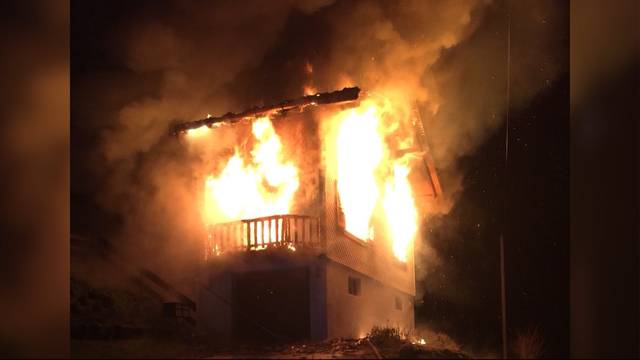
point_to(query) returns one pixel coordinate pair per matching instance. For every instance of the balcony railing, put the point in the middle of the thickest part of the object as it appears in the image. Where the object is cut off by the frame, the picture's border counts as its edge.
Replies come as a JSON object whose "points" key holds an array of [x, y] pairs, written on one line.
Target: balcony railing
{"points": [[280, 231]]}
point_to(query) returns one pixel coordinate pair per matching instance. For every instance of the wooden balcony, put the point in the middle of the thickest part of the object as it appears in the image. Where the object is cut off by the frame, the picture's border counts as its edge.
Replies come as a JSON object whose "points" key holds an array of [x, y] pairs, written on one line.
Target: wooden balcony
{"points": [[291, 232]]}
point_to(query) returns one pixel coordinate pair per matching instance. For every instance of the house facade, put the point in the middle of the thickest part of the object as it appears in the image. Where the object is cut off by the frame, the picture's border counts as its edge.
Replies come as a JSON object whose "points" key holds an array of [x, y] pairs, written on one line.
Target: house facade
{"points": [[301, 276]]}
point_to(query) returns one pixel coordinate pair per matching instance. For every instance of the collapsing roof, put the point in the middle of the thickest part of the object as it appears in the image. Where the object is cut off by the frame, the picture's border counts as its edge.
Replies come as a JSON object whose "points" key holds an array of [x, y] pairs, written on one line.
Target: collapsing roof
{"points": [[344, 95]]}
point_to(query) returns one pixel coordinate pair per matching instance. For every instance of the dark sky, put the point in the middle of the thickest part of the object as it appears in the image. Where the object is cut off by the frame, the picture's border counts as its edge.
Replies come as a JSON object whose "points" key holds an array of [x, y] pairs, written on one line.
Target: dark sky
{"points": [[535, 227], [527, 199]]}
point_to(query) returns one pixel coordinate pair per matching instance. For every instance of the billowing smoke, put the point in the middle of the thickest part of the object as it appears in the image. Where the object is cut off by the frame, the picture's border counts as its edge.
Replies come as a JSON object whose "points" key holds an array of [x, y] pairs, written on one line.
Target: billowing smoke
{"points": [[188, 59], [469, 81], [197, 50]]}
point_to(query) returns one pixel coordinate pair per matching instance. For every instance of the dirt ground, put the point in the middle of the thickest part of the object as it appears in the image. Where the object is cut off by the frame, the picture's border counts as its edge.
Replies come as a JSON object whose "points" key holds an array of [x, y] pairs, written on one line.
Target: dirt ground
{"points": [[343, 349], [332, 349]]}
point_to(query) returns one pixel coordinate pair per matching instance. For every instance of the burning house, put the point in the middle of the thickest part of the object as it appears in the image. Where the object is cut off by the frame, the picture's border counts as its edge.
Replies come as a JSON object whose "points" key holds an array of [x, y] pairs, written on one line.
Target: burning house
{"points": [[311, 220]]}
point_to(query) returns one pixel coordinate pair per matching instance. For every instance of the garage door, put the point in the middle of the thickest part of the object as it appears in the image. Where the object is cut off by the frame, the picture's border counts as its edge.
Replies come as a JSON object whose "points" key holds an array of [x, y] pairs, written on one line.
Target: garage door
{"points": [[271, 306]]}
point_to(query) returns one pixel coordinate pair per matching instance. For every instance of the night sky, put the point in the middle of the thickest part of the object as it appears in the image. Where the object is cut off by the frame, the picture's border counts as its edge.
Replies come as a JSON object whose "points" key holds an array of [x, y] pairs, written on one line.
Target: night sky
{"points": [[535, 228], [526, 199]]}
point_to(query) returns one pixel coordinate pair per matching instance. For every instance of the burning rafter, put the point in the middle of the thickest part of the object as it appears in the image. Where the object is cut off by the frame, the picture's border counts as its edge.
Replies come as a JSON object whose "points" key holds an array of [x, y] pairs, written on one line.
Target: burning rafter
{"points": [[339, 96], [427, 159]]}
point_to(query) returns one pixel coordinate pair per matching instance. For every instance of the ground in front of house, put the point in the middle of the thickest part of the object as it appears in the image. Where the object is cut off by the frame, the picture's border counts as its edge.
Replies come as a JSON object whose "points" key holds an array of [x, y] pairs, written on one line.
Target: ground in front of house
{"points": [[331, 349]]}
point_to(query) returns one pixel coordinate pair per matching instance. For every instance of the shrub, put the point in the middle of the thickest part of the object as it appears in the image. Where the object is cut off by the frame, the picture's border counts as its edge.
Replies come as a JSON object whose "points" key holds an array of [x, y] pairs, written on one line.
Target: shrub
{"points": [[386, 336]]}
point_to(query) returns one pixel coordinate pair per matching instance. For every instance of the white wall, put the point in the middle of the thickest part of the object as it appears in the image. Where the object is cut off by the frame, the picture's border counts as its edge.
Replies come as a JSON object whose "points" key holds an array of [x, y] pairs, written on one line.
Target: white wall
{"points": [[354, 316]]}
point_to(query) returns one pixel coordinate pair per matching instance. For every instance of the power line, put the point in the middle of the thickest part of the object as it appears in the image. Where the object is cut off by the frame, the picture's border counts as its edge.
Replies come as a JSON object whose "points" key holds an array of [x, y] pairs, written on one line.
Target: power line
{"points": [[503, 295]]}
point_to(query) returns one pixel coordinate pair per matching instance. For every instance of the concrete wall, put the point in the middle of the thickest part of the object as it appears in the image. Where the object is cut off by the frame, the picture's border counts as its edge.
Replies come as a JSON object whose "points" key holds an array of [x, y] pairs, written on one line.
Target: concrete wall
{"points": [[353, 316], [334, 312], [214, 303], [318, 299], [216, 284]]}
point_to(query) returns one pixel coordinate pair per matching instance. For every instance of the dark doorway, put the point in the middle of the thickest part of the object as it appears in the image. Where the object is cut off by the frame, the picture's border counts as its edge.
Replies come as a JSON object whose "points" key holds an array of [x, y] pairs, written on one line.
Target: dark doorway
{"points": [[271, 306]]}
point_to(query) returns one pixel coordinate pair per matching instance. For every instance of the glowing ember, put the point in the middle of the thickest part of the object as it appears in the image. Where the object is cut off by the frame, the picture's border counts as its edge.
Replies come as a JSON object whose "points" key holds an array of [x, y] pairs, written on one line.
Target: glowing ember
{"points": [[310, 90], [263, 186], [419, 341], [199, 132]]}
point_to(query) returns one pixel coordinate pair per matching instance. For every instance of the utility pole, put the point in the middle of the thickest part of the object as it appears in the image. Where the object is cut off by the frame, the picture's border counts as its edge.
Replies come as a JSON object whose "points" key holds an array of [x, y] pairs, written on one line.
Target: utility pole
{"points": [[503, 298], [503, 295]]}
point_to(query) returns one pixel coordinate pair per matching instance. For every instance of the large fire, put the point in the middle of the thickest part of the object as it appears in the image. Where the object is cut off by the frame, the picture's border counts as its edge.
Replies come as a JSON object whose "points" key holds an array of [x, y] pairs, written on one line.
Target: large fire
{"points": [[262, 186], [372, 180], [368, 176], [400, 211], [359, 150]]}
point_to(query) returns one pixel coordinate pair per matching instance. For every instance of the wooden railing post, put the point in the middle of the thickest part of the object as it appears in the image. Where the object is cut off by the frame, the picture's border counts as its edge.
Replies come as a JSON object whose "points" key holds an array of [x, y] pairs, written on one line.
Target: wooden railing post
{"points": [[306, 233], [278, 230]]}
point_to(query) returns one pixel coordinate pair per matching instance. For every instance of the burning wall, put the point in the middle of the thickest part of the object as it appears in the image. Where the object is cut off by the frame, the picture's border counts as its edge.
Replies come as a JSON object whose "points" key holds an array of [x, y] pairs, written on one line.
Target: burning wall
{"points": [[270, 170], [362, 148], [368, 152], [260, 186]]}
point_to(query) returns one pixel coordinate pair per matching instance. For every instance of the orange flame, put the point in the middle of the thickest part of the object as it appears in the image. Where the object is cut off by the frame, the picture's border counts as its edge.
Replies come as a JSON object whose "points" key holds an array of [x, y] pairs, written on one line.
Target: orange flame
{"points": [[372, 182], [400, 211], [309, 90], [360, 150], [199, 132], [368, 176], [262, 187]]}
